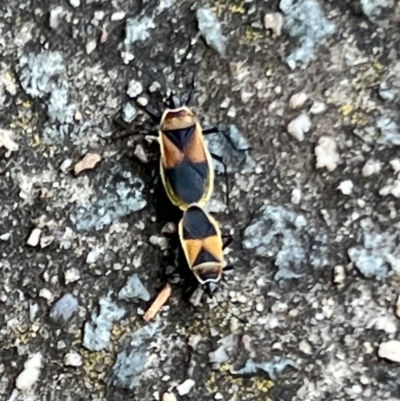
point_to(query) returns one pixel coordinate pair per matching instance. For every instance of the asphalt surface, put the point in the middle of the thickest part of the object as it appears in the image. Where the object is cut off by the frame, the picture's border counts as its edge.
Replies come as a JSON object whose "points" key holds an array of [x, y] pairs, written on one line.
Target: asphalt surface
{"points": [[105, 224]]}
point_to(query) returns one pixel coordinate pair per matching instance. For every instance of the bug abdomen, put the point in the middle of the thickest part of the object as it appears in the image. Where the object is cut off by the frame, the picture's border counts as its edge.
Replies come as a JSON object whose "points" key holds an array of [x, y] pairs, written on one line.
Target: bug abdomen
{"points": [[188, 181]]}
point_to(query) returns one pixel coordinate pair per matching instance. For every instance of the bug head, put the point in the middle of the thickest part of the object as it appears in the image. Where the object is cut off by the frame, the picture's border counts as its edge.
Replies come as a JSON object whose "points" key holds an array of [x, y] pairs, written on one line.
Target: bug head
{"points": [[210, 288], [173, 101]]}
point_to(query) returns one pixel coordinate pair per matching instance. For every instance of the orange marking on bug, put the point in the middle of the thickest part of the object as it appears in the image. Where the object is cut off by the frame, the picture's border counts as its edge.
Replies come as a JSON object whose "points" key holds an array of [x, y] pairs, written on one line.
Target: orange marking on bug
{"points": [[214, 246], [172, 156], [177, 119], [193, 247]]}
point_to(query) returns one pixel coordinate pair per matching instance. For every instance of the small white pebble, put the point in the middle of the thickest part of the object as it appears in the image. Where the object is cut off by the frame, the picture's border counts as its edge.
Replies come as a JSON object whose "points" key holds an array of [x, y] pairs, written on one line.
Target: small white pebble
{"points": [[168, 397], [346, 187], [46, 294], [274, 22], [225, 103], [154, 87], [91, 46], [159, 241], [298, 100], [142, 101], [391, 189], [299, 126], [390, 350], [135, 88], [54, 17], [317, 107], [185, 387], [93, 256], [218, 396], [140, 154], [118, 16], [29, 376], [296, 196], [73, 359], [395, 164], [305, 347], [71, 275], [34, 237], [259, 307], [75, 3], [339, 274], [371, 167], [66, 165], [326, 153], [231, 112]]}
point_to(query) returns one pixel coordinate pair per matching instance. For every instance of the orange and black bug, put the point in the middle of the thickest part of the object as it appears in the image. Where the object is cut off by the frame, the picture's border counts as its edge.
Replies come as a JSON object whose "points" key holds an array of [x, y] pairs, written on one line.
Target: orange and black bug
{"points": [[201, 241], [186, 166]]}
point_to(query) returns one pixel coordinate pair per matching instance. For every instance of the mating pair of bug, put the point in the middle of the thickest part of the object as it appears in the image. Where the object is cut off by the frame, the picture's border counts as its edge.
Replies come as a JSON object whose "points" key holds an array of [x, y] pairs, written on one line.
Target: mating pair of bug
{"points": [[187, 174]]}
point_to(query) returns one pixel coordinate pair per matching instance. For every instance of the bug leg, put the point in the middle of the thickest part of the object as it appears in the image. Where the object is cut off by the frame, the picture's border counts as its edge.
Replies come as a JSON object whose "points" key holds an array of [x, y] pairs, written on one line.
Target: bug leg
{"points": [[227, 242], [228, 268], [212, 130], [155, 117], [191, 92], [219, 159]]}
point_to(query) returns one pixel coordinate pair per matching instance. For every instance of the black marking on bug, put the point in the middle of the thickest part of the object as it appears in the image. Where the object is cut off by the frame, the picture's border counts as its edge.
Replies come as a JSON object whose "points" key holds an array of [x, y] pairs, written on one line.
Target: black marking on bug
{"points": [[196, 224], [188, 180], [180, 137]]}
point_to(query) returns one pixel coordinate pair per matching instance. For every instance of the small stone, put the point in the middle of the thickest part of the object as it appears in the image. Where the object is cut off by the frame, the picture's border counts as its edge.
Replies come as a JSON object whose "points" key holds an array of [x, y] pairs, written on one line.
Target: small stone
{"points": [[305, 347], [154, 87], [6, 140], [64, 308], [118, 16], [142, 101], [140, 154], [211, 29], [296, 196], [317, 107], [169, 228], [54, 17], [75, 3], [185, 387], [368, 348], [339, 275], [346, 187], [135, 88], [73, 359], [129, 112], [88, 162], [46, 294], [34, 237], [395, 165], [71, 275], [134, 288], [93, 256], [326, 153], [5, 237], [231, 112], [168, 397], [390, 350], [391, 189], [274, 22], [371, 167], [225, 103], [30, 375], [159, 241], [299, 126], [46, 240], [65, 165], [218, 396], [194, 340], [91, 46], [298, 100]]}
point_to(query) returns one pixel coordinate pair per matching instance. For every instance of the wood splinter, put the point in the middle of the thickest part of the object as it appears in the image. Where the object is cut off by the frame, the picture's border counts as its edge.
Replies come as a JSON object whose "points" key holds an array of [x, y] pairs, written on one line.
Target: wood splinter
{"points": [[158, 303]]}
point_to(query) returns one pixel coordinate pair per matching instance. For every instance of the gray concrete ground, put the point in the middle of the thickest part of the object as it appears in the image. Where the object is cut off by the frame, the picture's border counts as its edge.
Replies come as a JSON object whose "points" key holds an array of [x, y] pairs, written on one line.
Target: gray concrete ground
{"points": [[309, 312]]}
